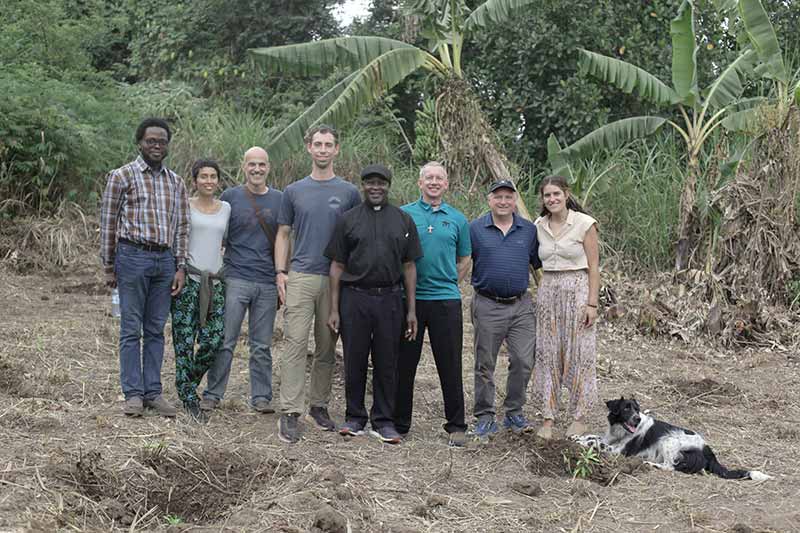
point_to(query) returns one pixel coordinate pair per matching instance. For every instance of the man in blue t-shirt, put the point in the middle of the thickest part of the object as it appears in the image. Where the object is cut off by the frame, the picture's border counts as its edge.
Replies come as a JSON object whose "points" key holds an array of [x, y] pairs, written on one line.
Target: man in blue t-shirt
{"points": [[249, 282], [504, 247], [310, 209], [444, 235]]}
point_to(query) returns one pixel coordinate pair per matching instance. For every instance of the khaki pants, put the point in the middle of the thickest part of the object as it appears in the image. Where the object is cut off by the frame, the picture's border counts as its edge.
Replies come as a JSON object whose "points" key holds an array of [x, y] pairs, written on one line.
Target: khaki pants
{"points": [[307, 299]]}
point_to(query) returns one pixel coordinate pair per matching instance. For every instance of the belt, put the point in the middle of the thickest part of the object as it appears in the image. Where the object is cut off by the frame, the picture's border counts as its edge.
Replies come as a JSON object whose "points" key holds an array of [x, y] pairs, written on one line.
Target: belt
{"points": [[501, 299], [376, 290], [146, 246]]}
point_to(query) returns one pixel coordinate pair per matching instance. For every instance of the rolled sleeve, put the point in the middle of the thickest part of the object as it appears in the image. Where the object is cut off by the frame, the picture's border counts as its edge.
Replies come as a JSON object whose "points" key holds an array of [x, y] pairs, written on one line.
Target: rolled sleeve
{"points": [[109, 216], [182, 227]]}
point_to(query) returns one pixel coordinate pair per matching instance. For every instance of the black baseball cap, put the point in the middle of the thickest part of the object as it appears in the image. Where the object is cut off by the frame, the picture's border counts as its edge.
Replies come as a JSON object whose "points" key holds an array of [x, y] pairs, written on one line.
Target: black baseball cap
{"points": [[502, 184], [380, 171]]}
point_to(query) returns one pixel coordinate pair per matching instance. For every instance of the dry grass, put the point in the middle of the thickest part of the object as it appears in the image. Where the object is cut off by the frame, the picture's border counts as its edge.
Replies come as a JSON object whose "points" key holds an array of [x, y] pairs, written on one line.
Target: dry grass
{"points": [[71, 461]]}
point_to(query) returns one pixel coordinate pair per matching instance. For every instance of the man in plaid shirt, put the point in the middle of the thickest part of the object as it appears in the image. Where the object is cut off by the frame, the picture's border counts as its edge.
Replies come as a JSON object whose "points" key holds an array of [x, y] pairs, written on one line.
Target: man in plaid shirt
{"points": [[143, 237]]}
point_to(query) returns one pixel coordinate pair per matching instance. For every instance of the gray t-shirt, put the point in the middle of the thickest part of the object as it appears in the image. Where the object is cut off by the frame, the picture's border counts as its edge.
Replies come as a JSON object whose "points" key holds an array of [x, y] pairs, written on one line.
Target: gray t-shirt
{"points": [[205, 239], [248, 252], [312, 207]]}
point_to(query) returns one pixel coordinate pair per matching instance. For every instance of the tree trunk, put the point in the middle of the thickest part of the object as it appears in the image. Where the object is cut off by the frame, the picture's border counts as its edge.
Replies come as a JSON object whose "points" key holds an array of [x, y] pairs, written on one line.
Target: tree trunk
{"points": [[687, 215]]}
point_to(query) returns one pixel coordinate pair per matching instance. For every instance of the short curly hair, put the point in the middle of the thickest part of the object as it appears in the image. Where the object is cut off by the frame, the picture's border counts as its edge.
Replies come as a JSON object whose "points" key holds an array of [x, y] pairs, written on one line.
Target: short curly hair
{"points": [[152, 123]]}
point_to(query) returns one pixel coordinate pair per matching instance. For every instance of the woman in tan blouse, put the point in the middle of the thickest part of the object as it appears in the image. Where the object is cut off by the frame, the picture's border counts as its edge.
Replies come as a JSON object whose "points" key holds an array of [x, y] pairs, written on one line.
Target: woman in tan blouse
{"points": [[566, 307]]}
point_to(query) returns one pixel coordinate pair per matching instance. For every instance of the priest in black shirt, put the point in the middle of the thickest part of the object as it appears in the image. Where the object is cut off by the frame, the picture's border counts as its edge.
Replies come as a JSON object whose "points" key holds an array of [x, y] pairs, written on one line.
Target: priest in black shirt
{"points": [[372, 250]]}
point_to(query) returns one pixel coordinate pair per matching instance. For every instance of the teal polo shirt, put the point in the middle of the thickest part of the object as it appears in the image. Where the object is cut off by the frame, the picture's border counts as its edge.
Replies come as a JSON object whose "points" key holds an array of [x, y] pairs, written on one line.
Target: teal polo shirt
{"points": [[444, 235]]}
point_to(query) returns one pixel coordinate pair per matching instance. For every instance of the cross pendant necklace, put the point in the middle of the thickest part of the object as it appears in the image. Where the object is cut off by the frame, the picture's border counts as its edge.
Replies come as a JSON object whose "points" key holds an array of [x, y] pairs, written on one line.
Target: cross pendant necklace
{"points": [[430, 228]]}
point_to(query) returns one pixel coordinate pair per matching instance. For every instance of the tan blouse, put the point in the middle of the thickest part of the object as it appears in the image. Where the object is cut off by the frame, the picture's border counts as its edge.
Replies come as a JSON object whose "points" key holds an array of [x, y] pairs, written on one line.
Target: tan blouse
{"points": [[565, 250]]}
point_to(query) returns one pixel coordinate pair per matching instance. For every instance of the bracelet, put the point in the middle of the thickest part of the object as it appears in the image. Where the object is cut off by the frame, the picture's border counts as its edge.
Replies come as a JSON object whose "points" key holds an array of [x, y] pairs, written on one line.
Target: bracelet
{"points": [[590, 305], [282, 271]]}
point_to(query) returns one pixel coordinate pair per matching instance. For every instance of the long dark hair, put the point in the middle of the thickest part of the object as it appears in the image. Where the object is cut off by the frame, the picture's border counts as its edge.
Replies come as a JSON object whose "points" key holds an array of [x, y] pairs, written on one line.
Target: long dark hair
{"points": [[561, 183]]}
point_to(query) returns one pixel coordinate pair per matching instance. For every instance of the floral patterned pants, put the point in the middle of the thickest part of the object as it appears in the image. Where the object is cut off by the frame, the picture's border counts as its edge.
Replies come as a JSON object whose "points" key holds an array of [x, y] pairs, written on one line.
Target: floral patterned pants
{"points": [[190, 364]]}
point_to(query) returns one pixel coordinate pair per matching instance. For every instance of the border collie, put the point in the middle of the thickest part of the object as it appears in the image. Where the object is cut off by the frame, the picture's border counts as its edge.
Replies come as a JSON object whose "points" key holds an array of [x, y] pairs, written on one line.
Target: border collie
{"points": [[633, 433]]}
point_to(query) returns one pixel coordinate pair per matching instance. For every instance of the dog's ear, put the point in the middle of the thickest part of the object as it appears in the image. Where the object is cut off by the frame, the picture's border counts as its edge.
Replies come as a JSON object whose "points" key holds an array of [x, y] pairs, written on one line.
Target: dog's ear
{"points": [[635, 403], [613, 405]]}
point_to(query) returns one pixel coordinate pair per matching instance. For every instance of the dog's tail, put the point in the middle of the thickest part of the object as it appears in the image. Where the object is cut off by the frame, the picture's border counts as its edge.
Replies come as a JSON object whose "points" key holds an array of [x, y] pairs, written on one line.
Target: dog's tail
{"points": [[713, 466]]}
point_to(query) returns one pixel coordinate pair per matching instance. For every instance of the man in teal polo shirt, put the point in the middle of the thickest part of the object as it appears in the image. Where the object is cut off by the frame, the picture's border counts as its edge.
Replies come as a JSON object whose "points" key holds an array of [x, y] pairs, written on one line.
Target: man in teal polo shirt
{"points": [[444, 235]]}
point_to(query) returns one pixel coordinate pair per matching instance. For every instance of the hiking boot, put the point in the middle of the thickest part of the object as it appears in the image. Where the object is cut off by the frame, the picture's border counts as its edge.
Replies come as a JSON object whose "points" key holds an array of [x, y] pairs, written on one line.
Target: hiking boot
{"points": [[457, 439], [161, 406], [209, 404], [133, 406], [575, 429], [263, 406], [351, 428], [517, 423], [195, 412], [386, 434], [485, 428], [321, 418], [289, 427]]}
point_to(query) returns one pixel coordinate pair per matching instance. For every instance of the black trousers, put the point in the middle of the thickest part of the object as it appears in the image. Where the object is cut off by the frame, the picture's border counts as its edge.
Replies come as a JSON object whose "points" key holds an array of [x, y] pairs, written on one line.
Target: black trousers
{"points": [[443, 319], [371, 324]]}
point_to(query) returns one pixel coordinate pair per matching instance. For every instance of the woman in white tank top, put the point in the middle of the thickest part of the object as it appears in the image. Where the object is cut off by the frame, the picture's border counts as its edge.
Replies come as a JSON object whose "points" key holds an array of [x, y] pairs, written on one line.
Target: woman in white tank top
{"points": [[198, 312]]}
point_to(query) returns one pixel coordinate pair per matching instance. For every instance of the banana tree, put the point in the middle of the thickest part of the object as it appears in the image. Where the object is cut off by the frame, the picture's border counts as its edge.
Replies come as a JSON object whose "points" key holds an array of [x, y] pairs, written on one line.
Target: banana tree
{"points": [[377, 64], [761, 35], [702, 111]]}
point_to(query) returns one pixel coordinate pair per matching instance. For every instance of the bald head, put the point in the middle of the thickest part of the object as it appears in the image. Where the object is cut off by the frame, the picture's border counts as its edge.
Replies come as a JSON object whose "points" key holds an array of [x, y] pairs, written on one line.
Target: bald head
{"points": [[256, 151], [256, 168]]}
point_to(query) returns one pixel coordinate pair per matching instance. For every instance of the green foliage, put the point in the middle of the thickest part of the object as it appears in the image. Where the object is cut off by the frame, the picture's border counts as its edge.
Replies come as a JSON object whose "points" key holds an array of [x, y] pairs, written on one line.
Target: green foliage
{"points": [[583, 465], [56, 138]]}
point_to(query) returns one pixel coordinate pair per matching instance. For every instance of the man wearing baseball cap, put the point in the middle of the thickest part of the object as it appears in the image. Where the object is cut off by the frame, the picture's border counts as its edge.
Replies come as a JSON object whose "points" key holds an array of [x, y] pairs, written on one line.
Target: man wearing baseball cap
{"points": [[373, 252], [503, 246]]}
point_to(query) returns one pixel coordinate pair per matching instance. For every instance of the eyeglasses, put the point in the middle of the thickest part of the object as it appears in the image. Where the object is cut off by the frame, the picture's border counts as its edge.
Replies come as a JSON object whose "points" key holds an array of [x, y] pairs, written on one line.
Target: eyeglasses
{"points": [[156, 142]]}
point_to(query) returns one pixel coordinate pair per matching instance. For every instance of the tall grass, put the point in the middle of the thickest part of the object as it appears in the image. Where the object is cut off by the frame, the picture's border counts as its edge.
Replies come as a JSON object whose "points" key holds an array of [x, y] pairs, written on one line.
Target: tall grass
{"points": [[636, 203]]}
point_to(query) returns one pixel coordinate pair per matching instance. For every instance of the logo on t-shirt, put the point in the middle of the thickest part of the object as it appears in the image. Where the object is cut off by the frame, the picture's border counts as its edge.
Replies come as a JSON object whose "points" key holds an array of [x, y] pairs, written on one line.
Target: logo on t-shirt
{"points": [[334, 202]]}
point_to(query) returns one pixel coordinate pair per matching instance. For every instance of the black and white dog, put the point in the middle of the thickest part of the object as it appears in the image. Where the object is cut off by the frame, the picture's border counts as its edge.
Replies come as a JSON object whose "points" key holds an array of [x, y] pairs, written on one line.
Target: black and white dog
{"points": [[633, 433]]}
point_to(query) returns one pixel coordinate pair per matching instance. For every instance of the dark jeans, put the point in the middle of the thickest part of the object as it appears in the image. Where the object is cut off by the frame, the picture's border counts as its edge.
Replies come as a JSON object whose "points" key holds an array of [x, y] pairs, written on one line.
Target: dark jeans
{"points": [[443, 319], [144, 280], [370, 323]]}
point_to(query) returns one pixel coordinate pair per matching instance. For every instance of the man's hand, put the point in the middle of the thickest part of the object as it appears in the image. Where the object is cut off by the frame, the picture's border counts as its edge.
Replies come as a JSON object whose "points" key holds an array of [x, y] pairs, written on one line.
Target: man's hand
{"points": [[178, 281], [111, 279], [411, 326], [333, 321], [280, 281]]}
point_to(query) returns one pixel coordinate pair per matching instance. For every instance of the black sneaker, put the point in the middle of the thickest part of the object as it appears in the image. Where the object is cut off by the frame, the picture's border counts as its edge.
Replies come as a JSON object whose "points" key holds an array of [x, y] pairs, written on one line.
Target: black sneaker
{"points": [[386, 434], [319, 415], [198, 415], [351, 428], [289, 427]]}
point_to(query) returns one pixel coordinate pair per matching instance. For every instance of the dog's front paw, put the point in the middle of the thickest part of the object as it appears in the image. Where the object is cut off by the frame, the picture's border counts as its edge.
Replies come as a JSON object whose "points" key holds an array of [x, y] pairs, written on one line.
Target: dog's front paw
{"points": [[590, 441]]}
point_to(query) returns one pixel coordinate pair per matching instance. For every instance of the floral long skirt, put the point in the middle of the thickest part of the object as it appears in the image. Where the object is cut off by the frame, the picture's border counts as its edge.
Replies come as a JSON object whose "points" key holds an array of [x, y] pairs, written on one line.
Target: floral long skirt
{"points": [[566, 352]]}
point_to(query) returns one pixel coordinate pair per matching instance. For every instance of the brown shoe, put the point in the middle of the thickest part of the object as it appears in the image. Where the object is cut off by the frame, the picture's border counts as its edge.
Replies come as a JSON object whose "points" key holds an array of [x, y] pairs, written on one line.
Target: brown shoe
{"points": [[262, 405], [458, 439], [133, 406], [209, 404], [161, 405]]}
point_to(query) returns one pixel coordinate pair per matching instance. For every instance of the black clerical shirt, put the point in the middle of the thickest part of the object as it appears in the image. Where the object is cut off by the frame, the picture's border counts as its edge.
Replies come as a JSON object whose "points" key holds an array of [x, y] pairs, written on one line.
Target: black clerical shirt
{"points": [[373, 244]]}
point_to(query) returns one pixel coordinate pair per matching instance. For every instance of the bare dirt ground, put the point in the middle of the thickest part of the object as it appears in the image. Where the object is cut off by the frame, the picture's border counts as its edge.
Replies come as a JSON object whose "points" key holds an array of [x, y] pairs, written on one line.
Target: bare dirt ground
{"points": [[70, 461]]}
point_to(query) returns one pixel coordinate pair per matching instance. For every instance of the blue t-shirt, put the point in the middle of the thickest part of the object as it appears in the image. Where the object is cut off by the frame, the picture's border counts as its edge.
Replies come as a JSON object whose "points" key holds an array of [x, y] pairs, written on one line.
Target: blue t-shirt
{"points": [[500, 262], [312, 207], [248, 252], [444, 235]]}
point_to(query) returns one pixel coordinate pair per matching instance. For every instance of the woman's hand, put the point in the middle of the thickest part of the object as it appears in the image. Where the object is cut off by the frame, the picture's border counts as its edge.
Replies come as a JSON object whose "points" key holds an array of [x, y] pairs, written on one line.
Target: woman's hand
{"points": [[589, 316]]}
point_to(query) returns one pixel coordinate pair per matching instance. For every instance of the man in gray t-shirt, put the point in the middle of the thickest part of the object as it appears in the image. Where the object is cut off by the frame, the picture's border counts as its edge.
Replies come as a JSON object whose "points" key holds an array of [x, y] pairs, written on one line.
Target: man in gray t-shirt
{"points": [[249, 283], [310, 208]]}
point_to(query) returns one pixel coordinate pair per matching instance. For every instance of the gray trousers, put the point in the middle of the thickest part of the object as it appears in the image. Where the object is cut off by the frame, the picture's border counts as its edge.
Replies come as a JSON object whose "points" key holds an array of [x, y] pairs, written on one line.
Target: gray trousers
{"points": [[258, 301], [492, 324]]}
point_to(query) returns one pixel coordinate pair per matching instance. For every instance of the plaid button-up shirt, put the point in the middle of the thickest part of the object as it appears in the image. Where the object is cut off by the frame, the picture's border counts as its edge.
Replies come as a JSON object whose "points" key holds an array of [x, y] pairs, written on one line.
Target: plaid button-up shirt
{"points": [[142, 206]]}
